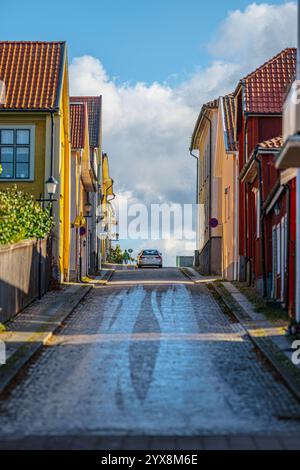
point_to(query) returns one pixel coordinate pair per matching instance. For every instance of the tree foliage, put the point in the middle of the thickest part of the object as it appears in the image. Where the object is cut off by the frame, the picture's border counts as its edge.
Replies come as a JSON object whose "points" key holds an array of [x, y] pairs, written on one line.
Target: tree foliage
{"points": [[116, 255], [21, 217]]}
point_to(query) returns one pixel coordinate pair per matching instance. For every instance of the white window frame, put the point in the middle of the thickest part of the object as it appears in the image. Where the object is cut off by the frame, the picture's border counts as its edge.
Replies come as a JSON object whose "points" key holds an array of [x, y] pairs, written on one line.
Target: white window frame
{"points": [[31, 128], [286, 242], [278, 230], [274, 261], [257, 210], [228, 202], [283, 252]]}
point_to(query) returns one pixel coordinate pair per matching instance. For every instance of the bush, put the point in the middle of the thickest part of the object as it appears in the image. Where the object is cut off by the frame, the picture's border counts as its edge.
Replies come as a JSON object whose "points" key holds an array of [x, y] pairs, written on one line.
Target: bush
{"points": [[116, 255], [21, 217]]}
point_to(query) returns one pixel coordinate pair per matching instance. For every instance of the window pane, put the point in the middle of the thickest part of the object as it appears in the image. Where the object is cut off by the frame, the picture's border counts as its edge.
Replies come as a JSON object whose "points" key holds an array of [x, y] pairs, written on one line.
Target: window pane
{"points": [[22, 154], [23, 137], [22, 170], [7, 137], [7, 155], [7, 170]]}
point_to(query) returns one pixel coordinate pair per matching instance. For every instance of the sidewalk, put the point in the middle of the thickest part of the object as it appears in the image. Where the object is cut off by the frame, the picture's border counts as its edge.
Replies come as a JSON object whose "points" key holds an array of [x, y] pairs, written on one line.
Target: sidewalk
{"points": [[198, 278], [270, 338], [35, 325], [104, 275]]}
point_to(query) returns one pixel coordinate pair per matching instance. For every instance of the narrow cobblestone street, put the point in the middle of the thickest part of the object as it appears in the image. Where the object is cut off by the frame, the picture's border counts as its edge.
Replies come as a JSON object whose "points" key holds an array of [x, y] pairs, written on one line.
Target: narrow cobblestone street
{"points": [[150, 354]]}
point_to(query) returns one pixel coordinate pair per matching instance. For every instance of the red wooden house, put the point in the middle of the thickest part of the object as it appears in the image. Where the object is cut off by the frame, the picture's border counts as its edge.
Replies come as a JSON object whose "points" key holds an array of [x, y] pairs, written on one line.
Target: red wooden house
{"points": [[259, 99], [271, 223]]}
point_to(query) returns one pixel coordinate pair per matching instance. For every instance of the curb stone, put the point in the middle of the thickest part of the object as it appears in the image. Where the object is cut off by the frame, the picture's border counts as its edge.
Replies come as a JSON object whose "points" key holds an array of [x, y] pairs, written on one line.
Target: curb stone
{"points": [[108, 275], [105, 278], [39, 338], [187, 274], [283, 366]]}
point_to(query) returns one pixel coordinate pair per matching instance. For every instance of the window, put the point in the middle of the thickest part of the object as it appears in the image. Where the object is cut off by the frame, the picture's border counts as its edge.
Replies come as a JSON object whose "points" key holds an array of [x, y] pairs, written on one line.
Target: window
{"points": [[257, 206], [227, 203], [283, 253], [274, 262], [17, 152], [150, 253], [207, 160], [278, 239]]}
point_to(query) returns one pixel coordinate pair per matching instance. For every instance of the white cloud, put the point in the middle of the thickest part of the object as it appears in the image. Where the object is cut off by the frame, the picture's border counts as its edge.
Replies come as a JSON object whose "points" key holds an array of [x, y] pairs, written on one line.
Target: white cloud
{"points": [[147, 128], [257, 33]]}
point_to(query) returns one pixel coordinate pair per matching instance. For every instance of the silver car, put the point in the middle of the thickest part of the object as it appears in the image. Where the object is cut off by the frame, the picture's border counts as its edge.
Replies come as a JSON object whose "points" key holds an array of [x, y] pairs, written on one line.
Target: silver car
{"points": [[149, 258]]}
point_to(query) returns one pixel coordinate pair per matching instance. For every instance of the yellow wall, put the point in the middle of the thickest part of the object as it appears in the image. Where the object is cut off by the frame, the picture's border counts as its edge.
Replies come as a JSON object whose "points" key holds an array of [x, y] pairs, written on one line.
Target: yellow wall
{"points": [[35, 187], [225, 169], [202, 144], [65, 189], [107, 190]]}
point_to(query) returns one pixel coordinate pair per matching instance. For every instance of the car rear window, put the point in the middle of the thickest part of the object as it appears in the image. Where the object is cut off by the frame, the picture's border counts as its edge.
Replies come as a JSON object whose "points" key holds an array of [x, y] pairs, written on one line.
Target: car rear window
{"points": [[150, 253]]}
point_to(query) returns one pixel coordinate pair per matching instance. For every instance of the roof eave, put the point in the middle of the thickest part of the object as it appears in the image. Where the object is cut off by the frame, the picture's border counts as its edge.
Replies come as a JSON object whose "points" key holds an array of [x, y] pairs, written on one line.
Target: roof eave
{"points": [[63, 63], [29, 110], [198, 124]]}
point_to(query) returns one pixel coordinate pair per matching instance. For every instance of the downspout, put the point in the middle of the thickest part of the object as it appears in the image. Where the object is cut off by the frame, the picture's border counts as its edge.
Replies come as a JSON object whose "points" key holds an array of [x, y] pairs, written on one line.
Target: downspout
{"points": [[262, 224], [52, 157], [79, 241], [197, 182], [210, 191], [196, 261], [245, 200], [288, 205], [52, 144], [236, 219]]}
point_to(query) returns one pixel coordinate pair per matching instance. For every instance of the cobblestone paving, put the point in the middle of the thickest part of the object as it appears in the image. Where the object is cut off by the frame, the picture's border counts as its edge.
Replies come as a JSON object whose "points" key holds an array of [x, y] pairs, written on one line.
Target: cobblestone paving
{"points": [[149, 360]]}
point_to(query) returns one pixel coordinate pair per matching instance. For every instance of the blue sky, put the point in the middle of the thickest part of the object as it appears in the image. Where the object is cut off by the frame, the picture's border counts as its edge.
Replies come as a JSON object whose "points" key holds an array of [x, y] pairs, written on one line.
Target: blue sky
{"points": [[136, 40]]}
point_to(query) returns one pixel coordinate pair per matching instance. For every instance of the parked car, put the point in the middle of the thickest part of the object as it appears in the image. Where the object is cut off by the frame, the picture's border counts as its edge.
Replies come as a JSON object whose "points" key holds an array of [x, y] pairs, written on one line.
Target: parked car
{"points": [[149, 258]]}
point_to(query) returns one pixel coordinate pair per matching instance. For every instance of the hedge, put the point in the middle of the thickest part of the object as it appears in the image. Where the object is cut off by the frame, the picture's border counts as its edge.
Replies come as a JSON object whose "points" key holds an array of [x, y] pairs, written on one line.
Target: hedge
{"points": [[22, 217]]}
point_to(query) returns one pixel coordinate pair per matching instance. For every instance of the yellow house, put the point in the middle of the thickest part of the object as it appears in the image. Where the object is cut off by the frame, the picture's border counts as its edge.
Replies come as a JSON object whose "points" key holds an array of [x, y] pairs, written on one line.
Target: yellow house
{"points": [[209, 185], [108, 224], [92, 178], [81, 183], [227, 170], [34, 131]]}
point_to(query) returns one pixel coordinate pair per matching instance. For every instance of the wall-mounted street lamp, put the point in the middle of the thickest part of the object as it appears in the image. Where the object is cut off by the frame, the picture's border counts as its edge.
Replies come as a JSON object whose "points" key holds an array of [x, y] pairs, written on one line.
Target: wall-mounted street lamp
{"points": [[88, 208], [51, 185], [115, 239]]}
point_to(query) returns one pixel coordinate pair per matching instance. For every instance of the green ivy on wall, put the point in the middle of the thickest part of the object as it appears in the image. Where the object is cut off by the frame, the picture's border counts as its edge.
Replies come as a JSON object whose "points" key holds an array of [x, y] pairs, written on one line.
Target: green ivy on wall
{"points": [[22, 217]]}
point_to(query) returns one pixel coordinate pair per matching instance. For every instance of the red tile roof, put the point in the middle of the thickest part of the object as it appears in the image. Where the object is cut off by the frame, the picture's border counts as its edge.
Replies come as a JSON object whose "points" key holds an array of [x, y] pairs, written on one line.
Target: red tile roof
{"points": [[32, 73], [229, 122], [275, 143], [78, 113], [94, 115], [266, 87], [212, 104]]}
